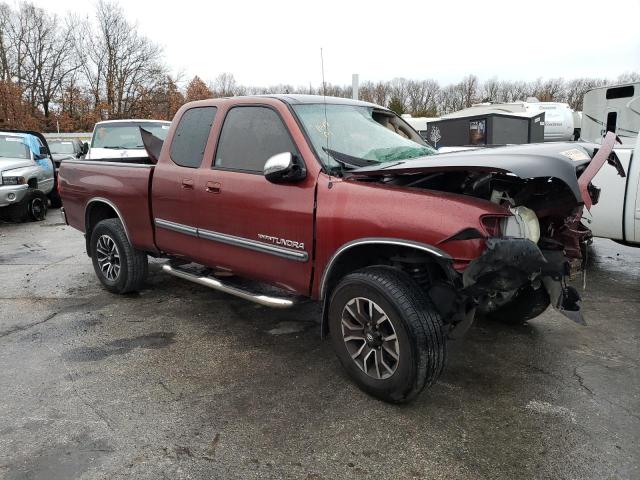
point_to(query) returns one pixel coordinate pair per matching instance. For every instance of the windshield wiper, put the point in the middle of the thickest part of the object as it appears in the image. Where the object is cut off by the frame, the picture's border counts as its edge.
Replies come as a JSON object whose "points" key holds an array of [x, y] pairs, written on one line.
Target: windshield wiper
{"points": [[120, 147], [348, 160]]}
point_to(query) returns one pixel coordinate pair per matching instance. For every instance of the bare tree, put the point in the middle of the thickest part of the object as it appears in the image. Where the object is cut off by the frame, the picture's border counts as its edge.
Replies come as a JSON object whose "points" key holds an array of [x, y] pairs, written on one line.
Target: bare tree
{"points": [[629, 77], [224, 85], [553, 90], [122, 65], [491, 91], [575, 90], [421, 97], [5, 42], [49, 55], [468, 88]]}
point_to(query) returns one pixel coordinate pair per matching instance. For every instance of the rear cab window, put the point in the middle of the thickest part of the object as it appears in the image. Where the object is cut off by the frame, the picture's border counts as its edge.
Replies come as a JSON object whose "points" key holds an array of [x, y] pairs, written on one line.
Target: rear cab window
{"points": [[126, 135], [250, 136], [62, 147], [192, 133]]}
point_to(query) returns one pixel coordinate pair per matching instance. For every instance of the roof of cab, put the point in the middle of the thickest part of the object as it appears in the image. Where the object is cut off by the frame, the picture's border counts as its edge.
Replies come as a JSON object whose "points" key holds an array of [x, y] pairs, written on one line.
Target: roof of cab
{"points": [[13, 134], [133, 120], [300, 99]]}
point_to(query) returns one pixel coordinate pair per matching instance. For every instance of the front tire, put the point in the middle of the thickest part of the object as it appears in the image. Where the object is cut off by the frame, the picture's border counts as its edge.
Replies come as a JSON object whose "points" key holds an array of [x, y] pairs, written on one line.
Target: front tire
{"points": [[32, 207], [36, 205], [119, 267], [386, 333]]}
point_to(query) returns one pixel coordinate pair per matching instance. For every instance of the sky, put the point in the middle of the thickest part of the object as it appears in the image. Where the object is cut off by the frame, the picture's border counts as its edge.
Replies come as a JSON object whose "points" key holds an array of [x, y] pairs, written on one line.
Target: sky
{"points": [[278, 42]]}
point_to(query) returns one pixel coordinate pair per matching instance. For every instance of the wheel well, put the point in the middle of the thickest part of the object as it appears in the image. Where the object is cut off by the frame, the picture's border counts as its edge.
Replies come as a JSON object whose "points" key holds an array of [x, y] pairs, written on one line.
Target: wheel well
{"points": [[96, 212], [33, 183], [424, 267]]}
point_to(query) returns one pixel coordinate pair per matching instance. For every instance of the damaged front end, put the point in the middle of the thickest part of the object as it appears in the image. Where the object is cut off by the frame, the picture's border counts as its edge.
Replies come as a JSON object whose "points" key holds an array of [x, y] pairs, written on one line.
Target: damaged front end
{"points": [[531, 250], [514, 269]]}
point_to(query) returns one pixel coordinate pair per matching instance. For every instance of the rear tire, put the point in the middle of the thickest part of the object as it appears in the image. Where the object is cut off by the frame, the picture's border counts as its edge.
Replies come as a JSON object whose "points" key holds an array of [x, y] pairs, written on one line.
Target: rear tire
{"points": [[386, 333], [119, 267], [526, 304]]}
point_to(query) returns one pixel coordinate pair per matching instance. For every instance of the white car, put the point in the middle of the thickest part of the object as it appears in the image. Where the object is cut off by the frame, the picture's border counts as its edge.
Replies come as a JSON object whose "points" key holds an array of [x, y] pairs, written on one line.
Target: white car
{"points": [[617, 214], [26, 176], [121, 138]]}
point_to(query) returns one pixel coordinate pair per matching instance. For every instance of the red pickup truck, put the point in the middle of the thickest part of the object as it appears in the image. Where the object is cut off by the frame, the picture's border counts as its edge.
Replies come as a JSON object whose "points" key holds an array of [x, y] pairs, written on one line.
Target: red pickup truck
{"points": [[275, 198]]}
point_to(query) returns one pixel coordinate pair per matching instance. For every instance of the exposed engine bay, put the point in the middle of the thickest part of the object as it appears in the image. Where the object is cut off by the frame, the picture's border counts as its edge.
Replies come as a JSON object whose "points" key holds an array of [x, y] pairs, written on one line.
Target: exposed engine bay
{"points": [[535, 246]]}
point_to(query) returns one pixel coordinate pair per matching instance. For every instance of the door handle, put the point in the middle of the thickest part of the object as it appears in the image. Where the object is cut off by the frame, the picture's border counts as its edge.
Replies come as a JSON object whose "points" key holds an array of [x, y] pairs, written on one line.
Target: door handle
{"points": [[187, 183], [213, 187]]}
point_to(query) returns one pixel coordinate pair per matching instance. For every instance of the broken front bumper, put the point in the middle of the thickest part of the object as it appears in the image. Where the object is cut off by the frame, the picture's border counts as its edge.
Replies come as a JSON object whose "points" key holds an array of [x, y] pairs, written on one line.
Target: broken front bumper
{"points": [[510, 264]]}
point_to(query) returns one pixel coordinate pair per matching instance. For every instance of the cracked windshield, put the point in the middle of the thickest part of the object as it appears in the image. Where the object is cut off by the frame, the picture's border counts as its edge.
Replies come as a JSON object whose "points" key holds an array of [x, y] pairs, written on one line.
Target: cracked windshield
{"points": [[355, 136]]}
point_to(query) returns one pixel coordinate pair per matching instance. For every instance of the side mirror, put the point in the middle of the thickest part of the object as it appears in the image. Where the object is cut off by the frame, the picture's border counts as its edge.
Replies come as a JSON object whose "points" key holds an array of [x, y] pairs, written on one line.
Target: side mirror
{"points": [[44, 151], [284, 168], [85, 148]]}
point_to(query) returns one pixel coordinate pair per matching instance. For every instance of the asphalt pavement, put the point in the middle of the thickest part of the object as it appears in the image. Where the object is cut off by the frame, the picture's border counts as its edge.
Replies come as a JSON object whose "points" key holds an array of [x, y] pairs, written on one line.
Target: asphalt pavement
{"points": [[181, 382]]}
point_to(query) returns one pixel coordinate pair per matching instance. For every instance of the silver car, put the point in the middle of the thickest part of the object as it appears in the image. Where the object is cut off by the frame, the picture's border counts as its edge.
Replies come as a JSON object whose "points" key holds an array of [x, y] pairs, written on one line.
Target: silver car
{"points": [[27, 176]]}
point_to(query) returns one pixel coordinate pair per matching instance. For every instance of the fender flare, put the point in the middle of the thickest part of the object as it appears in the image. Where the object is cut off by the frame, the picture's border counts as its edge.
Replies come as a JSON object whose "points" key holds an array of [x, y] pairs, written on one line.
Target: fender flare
{"points": [[423, 247], [110, 204], [324, 298]]}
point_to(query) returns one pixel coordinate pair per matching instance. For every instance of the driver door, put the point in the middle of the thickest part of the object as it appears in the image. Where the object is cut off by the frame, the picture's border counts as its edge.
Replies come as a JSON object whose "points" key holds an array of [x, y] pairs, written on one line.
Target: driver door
{"points": [[257, 229]]}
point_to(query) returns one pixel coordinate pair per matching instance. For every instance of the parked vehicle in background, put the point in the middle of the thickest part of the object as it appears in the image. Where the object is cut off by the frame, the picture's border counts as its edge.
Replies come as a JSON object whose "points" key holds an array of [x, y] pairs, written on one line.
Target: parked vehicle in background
{"points": [[27, 176], [617, 215], [272, 198], [60, 150], [613, 108], [121, 138], [63, 149]]}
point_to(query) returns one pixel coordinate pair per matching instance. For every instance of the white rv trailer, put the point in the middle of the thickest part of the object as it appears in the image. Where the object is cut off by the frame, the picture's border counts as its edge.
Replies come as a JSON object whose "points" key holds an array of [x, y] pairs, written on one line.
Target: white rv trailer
{"points": [[559, 124], [613, 108]]}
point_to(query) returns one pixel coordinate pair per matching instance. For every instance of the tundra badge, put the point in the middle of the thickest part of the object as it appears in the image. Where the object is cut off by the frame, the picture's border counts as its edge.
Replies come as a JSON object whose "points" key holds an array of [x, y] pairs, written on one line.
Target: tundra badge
{"points": [[281, 241]]}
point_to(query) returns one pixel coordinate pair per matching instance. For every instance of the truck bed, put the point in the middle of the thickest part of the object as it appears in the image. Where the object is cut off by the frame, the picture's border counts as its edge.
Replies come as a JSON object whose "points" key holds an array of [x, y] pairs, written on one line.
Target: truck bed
{"points": [[122, 183]]}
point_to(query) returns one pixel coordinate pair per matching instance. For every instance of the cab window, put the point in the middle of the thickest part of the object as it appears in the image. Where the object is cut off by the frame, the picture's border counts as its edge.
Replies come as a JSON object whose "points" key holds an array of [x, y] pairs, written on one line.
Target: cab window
{"points": [[190, 139], [250, 136]]}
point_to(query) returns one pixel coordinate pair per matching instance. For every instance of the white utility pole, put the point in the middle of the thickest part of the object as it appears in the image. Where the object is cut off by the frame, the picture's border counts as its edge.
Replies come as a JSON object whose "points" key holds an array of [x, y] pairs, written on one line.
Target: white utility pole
{"points": [[355, 86]]}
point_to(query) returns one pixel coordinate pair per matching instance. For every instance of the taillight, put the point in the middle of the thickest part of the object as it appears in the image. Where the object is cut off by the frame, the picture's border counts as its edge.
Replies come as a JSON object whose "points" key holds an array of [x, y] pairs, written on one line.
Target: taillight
{"points": [[492, 225]]}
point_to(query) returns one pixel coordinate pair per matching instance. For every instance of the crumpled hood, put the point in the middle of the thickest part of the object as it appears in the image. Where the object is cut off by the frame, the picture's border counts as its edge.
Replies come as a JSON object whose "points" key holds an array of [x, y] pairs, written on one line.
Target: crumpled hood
{"points": [[11, 163], [558, 160]]}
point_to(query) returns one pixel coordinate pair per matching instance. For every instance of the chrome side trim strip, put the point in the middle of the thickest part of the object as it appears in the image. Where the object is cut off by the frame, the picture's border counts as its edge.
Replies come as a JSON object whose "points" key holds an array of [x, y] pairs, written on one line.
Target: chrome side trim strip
{"points": [[216, 284], [109, 164], [297, 255], [112, 205], [176, 227], [289, 254], [379, 241]]}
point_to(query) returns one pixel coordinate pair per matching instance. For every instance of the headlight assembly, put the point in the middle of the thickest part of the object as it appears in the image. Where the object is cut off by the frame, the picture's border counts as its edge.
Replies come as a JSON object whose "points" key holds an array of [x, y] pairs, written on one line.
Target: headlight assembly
{"points": [[14, 180], [522, 224]]}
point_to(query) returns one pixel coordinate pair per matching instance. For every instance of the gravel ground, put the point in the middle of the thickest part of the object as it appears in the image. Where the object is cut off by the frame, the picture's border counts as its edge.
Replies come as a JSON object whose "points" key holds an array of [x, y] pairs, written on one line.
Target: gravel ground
{"points": [[182, 382]]}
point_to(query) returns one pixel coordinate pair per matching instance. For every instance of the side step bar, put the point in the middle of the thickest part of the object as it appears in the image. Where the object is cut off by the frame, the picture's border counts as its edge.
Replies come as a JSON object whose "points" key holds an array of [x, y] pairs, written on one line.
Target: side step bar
{"points": [[216, 284]]}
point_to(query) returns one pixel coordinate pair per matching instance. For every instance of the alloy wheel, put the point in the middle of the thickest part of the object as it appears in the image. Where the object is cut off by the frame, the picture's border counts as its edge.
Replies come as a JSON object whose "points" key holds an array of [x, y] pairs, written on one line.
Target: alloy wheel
{"points": [[108, 257], [370, 338]]}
